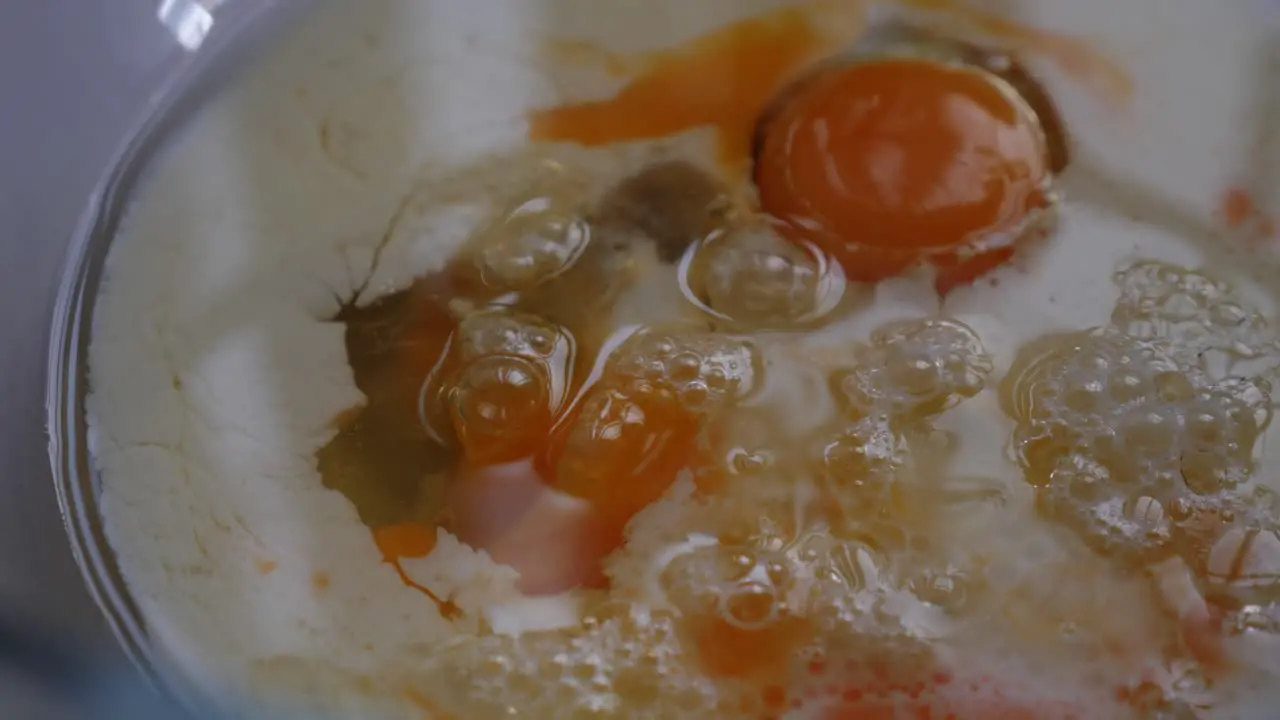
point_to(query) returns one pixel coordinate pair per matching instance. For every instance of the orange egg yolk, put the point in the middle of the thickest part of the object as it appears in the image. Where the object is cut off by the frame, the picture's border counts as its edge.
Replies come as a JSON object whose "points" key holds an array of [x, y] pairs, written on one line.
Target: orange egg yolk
{"points": [[620, 451], [501, 408], [886, 164]]}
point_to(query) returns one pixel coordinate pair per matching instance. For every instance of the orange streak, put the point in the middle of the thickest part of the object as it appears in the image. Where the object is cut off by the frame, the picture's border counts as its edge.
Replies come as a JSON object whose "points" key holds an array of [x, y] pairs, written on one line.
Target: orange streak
{"points": [[411, 540], [722, 80], [725, 79]]}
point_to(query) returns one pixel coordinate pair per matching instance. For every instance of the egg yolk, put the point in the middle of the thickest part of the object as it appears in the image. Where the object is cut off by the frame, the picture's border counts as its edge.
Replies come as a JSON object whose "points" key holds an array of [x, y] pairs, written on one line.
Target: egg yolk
{"points": [[501, 409], [886, 164], [620, 451], [556, 515]]}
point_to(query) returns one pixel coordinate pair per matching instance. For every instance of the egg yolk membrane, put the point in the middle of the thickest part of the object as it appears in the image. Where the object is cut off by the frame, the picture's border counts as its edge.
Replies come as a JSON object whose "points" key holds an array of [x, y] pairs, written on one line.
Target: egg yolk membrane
{"points": [[887, 163]]}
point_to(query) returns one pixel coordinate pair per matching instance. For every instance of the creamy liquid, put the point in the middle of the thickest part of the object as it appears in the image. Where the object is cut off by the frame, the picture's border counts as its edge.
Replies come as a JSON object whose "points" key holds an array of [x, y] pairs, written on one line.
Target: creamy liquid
{"points": [[218, 374]]}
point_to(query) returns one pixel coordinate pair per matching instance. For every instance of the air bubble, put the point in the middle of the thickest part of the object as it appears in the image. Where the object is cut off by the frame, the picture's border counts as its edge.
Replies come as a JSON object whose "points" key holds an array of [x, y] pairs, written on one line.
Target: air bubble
{"points": [[1245, 564], [754, 278], [1253, 394], [859, 463], [1151, 432], [742, 586], [684, 367], [1159, 436], [621, 451], [918, 375], [750, 606], [694, 395], [705, 370], [501, 408], [1174, 387], [1228, 314], [1086, 397], [1190, 312], [744, 462], [537, 237], [1126, 387], [914, 369], [1206, 471], [946, 589], [1084, 479], [502, 332]]}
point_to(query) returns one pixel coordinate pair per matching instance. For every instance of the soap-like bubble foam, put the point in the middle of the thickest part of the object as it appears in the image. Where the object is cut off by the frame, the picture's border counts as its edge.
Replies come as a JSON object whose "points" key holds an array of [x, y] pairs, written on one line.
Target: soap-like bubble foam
{"points": [[1191, 313], [700, 371], [913, 369], [819, 576], [502, 332], [538, 236], [1140, 436], [1114, 430], [498, 386]]}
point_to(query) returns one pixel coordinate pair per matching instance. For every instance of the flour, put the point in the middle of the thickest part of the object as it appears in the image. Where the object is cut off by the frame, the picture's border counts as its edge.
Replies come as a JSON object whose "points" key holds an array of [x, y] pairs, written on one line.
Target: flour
{"points": [[217, 373]]}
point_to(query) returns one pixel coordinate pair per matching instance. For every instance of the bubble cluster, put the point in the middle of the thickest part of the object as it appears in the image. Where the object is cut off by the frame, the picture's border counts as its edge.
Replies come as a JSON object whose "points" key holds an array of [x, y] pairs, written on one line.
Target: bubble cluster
{"points": [[753, 278], [500, 384], [779, 564], [500, 405], [537, 237], [622, 661], [644, 420], [629, 663], [825, 624], [739, 604], [914, 369], [859, 463], [700, 371], [504, 332], [823, 564], [852, 589], [1190, 312], [1114, 431]]}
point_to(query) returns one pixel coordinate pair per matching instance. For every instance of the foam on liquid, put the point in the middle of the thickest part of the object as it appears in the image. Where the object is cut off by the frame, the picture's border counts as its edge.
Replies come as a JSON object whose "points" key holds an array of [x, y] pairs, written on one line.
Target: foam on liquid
{"points": [[819, 554]]}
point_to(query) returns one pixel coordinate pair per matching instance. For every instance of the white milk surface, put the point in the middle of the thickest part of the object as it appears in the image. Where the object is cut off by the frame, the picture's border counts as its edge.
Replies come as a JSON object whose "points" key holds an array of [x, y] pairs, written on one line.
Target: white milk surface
{"points": [[216, 375]]}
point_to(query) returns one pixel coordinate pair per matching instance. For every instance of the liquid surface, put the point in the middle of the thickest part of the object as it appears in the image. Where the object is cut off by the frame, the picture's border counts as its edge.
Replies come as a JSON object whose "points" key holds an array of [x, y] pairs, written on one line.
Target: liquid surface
{"points": [[480, 426], [821, 563]]}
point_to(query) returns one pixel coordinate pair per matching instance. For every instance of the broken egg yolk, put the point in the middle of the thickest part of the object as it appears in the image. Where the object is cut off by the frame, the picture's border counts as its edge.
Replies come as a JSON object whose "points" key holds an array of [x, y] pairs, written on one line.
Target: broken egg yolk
{"points": [[555, 516], [620, 451], [890, 163]]}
